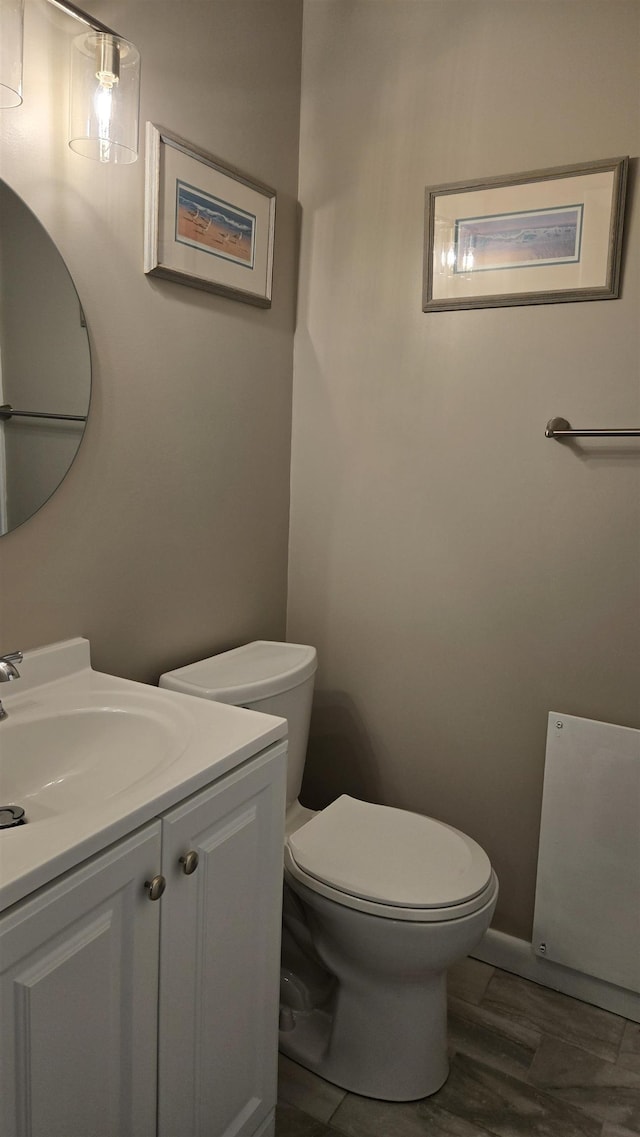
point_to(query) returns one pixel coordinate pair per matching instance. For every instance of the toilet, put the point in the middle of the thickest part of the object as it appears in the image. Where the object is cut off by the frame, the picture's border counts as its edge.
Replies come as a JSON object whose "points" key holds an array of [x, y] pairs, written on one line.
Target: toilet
{"points": [[378, 903]]}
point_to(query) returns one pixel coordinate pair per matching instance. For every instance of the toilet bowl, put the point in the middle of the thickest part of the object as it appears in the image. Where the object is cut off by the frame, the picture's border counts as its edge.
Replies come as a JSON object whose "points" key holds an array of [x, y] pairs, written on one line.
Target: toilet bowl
{"points": [[392, 900], [378, 903]]}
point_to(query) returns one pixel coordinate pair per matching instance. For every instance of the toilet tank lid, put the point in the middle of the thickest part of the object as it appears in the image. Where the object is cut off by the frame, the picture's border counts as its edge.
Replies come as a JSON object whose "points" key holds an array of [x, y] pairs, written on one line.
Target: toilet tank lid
{"points": [[390, 855], [245, 674]]}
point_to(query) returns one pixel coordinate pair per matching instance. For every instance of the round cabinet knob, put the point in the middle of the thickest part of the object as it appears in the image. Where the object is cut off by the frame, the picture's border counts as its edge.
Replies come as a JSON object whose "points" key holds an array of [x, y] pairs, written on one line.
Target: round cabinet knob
{"points": [[155, 887], [189, 862]]}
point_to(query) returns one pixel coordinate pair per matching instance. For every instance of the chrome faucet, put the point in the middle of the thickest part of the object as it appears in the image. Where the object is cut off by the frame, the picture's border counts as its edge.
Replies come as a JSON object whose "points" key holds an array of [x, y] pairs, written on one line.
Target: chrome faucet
{"points": [[9, 671]]}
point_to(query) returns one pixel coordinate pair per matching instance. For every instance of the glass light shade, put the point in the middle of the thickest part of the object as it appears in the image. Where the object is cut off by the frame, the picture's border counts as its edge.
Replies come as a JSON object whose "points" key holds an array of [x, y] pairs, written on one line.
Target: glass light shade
{"points": [[104, 97], [11, 24]]}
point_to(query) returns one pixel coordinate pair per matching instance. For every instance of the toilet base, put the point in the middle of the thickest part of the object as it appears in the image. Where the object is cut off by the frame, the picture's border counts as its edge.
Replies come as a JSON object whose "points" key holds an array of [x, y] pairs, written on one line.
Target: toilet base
{"points": [[369, 1006], [355, 1044]]}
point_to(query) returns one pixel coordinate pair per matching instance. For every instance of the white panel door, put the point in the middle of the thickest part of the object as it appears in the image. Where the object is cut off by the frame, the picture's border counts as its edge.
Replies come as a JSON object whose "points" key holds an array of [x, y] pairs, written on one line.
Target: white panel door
{"points": [[78, 1001], [220, 956], [587, 913]]}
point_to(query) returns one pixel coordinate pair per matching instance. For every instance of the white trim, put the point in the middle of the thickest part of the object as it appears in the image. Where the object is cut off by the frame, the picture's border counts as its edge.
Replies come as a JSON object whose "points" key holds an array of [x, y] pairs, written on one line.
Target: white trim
{"points": [[518, 956]]}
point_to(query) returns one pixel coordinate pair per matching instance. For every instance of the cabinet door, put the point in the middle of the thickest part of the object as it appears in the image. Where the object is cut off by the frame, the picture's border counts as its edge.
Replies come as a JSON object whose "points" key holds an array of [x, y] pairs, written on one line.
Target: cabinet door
{"points": [[78, 1001], [220, 955]]}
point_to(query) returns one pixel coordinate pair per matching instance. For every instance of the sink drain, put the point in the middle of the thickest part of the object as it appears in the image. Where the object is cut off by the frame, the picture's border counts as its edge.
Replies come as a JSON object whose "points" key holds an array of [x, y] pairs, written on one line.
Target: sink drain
{"points": [[11, 815]]}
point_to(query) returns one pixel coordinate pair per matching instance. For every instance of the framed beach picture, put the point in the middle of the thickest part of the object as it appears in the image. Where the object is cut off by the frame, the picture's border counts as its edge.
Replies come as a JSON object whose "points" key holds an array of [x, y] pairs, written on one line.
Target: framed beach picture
{"points": [[206, 225], [535, 238]]}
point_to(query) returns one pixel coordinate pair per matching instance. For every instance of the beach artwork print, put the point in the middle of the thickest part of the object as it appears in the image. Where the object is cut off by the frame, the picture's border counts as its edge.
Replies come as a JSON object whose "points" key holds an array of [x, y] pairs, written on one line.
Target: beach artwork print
{"points": [[519, 240], [214, 226]]}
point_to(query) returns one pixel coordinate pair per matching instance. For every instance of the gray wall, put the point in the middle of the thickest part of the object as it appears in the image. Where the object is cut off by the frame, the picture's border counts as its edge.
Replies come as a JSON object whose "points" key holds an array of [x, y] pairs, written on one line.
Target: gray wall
{"points": [[460, 574], [168, 538]]}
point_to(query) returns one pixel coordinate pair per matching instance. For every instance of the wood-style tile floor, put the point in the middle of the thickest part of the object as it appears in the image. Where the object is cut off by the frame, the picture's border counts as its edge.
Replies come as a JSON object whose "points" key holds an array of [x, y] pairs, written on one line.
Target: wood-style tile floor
{"points": [[525, 1062]]}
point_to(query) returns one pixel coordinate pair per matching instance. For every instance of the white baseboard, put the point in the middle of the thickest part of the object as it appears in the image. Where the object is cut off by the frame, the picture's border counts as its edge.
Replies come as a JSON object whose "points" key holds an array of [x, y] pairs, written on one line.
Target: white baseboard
{"points": [[518, 956]]}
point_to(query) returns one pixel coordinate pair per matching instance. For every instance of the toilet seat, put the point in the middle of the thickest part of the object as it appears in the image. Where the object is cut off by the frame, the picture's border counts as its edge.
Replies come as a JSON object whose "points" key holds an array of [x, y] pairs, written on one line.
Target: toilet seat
{"points": [[390, 862]]}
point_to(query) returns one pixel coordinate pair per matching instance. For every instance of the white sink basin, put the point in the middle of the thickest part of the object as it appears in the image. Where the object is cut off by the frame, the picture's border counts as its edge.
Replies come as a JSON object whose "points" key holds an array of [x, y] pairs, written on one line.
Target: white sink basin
{"points": [[74, 757], [91, 757]]}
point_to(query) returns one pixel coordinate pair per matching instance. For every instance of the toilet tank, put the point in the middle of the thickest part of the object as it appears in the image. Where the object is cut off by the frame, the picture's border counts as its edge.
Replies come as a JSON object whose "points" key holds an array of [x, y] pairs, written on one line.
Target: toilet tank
{"points": [[275, 678]]}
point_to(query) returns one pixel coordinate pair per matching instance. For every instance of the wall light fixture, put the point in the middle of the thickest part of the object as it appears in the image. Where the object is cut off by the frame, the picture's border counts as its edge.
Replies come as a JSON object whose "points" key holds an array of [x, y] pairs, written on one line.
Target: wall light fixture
{"points": [[104, 91]]}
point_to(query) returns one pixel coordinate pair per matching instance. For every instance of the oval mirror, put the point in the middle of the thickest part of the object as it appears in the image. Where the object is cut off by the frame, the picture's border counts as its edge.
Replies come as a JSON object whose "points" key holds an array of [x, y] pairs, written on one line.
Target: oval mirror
{"points": [[45, 364]]}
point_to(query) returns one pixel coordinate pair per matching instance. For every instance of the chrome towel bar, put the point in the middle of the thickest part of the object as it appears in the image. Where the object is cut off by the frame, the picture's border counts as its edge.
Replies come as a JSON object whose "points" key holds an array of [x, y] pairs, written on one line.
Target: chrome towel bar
{"points": [[7, 412], [559, 428]]}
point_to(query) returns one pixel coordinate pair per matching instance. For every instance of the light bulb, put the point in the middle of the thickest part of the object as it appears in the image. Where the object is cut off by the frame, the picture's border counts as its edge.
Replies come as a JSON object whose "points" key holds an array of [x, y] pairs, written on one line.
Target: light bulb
{"points": [[103, 107]]}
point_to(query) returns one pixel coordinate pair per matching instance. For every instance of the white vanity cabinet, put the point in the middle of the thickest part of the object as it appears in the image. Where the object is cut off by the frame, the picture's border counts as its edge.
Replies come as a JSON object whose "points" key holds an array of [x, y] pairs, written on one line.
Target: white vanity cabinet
{"points": [[121, 1017], [78, 1000], [220, 957]]}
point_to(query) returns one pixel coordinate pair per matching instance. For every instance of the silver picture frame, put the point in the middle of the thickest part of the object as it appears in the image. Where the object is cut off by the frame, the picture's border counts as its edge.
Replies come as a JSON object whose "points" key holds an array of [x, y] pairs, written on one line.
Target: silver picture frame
{"points": [[207, 225], [540, 237]]}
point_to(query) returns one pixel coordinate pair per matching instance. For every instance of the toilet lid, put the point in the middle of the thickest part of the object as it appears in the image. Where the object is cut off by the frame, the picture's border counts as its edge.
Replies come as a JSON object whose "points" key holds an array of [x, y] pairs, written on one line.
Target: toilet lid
{"points": [[390, 856]]}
